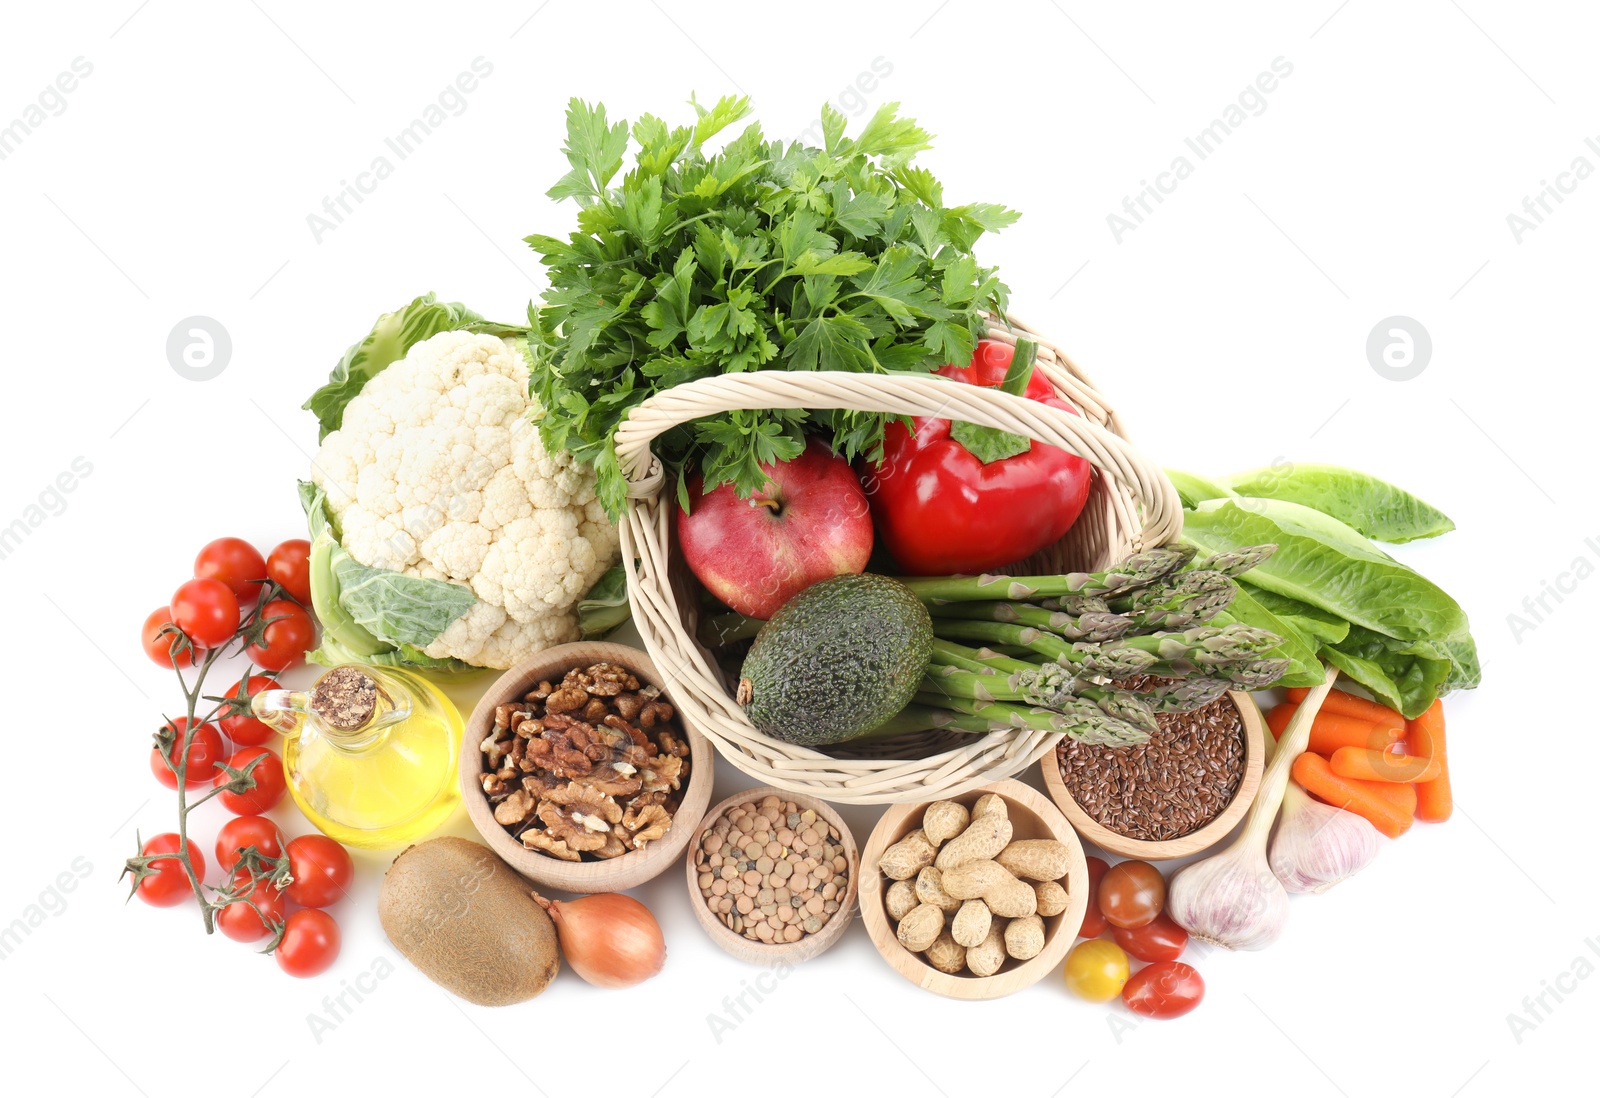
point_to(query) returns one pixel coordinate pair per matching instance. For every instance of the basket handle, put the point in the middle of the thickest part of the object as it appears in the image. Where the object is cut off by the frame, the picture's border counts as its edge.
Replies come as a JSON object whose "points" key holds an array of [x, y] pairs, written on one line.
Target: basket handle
{"points": [[906, 394]]}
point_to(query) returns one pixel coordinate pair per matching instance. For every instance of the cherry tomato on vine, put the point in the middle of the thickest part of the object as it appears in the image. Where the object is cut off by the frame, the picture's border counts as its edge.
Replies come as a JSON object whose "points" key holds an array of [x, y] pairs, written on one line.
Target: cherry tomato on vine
{"points": [[310, 943], [1094, 921], [1167, 989], [169, 884], [242, 728], [242, 924], [206, 610], [269, 786], [243, 831], [286, 639], [322, 871], [1096, 970], [205, 752], [158, 645], [288, 566], [1132, 894], [236, 563], [1160, 939]]}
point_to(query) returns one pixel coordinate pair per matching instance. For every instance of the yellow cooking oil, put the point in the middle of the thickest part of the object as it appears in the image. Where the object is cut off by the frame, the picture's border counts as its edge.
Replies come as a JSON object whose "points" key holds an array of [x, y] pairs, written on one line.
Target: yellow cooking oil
{"points": [[370, 755]]}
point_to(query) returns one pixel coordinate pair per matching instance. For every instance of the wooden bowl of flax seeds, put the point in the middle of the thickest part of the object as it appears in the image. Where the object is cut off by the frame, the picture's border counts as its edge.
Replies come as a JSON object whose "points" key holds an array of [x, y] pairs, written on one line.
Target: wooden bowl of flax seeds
{"points": [[1175, 795]]}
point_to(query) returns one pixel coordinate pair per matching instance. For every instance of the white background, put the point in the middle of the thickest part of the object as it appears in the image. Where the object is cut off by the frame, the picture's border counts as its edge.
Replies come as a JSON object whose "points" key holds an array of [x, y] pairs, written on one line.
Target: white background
{"points": [[1230, 328]]}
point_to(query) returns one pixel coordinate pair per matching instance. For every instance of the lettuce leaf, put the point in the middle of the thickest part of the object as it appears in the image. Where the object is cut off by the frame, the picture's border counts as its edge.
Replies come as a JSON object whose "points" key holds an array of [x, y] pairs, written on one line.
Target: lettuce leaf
{"points": [[1341, 574], [1374, 507]]}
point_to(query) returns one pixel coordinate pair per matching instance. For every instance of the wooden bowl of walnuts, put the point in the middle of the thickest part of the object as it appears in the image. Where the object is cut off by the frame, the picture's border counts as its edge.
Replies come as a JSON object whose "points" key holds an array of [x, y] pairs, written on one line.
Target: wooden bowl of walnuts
{"points": [[998, 867], [577, 769]]}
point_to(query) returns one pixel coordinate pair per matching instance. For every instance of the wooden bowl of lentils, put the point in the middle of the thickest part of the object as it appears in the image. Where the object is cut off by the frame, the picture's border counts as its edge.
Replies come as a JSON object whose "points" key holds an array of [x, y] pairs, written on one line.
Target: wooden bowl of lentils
{"points": [[1175, 795], [772, 876]]}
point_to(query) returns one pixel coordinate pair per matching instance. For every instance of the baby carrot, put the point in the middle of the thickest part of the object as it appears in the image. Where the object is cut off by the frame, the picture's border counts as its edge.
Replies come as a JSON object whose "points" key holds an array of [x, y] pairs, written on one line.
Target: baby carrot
{"points": [[1425, 736], [1349, 705], [1314, 775], [1383, 766], [1330, 731]]}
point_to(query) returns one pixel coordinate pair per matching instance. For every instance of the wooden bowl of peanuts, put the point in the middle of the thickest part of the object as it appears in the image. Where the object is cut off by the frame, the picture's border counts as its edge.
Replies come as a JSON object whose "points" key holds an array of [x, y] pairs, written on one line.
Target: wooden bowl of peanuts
{"points": [[603, 794], [1017, 890], [772, 876]]}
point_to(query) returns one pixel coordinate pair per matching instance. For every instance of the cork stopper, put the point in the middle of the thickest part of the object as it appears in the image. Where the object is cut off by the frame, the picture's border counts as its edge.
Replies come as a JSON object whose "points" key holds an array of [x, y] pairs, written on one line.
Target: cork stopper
{"points": [[345, 698]]}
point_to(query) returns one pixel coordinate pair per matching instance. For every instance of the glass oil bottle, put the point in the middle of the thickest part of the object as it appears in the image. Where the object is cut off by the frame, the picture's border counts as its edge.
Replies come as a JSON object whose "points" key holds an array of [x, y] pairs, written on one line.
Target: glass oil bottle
{"points": [[371, 753]]}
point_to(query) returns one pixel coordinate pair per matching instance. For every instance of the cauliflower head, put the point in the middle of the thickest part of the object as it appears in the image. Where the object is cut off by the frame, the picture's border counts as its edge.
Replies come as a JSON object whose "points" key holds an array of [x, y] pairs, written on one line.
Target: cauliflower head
{"points": [[437, 471]]}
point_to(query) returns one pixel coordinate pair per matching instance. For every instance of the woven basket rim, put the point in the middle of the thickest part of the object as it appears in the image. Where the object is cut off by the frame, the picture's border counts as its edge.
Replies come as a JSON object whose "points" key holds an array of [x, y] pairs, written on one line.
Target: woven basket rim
{"points": [[1137, 507]]}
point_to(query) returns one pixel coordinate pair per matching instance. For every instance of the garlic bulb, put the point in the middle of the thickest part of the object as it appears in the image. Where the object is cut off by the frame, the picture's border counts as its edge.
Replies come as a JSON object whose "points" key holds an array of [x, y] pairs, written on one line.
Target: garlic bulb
{"points": [[1230, 900], [1317, 845]]}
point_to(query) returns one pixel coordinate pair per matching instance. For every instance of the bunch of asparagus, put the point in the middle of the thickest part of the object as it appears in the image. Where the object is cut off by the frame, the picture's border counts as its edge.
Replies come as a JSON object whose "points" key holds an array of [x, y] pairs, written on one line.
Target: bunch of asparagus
{"points": [[1047, 652]]}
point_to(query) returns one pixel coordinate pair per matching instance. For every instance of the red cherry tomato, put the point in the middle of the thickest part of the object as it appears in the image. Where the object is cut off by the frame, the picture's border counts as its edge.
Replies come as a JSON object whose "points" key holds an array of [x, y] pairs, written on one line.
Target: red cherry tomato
{"points": [[206, 610], [1132, 894], [169, 885], [322, 871], [236, 563], [1161, 939], [205, 752], [243, 831], [287, 638], [241, 727], [269, 786], [158, 645], [239, 922], [1166, 989], [288, 566], [1094, 922], [310, 943]]}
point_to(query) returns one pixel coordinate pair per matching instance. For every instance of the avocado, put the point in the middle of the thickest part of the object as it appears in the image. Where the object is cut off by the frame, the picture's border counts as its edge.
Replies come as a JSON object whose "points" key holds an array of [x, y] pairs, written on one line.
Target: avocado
{"points": [[837, 660]]}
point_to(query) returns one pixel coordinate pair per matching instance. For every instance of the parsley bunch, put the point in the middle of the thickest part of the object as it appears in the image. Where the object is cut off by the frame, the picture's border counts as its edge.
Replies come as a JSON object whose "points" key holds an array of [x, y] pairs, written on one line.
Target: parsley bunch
{"points": [[762, 256]]}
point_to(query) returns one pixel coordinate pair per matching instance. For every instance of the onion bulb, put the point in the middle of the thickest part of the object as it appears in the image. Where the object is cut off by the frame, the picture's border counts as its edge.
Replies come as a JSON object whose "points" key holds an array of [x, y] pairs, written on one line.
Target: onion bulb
{"points": [[610, 940]]}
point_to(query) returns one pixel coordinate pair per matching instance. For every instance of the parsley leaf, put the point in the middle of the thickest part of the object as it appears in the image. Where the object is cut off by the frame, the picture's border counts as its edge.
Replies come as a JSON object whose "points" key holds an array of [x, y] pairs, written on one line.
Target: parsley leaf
{"points": [[760, 255]]}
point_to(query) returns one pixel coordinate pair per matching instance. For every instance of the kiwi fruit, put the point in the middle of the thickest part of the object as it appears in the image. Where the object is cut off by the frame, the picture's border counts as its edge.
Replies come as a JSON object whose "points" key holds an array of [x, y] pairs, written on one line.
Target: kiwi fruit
{"points": [[471, 925]]}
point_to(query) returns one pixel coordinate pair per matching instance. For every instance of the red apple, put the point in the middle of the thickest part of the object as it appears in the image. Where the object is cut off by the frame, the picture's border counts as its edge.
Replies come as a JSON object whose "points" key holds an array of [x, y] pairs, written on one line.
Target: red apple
{"points": [[811, 521]]}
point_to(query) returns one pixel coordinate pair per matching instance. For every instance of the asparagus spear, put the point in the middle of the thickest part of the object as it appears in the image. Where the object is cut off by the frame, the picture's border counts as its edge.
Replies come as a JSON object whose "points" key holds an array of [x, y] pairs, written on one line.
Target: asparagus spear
{"points": [[1082, 721], [1238, 562], [1096, 627], [1116, 662], [1137, 571]]}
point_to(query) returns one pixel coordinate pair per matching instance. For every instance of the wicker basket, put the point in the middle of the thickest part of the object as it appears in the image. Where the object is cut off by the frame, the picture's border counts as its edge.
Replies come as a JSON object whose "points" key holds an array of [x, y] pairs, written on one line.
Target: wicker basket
{"points": [[1131, 506]]}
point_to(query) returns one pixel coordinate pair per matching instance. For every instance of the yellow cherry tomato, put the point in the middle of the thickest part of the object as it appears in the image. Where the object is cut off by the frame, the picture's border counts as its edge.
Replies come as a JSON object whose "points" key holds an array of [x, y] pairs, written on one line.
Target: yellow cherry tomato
{"points": [[1096, 970]]}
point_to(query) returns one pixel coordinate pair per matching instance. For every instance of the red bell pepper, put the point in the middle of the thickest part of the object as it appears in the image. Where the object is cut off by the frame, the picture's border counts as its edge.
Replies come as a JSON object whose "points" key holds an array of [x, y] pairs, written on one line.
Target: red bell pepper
{"points": [[941, 508]]}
